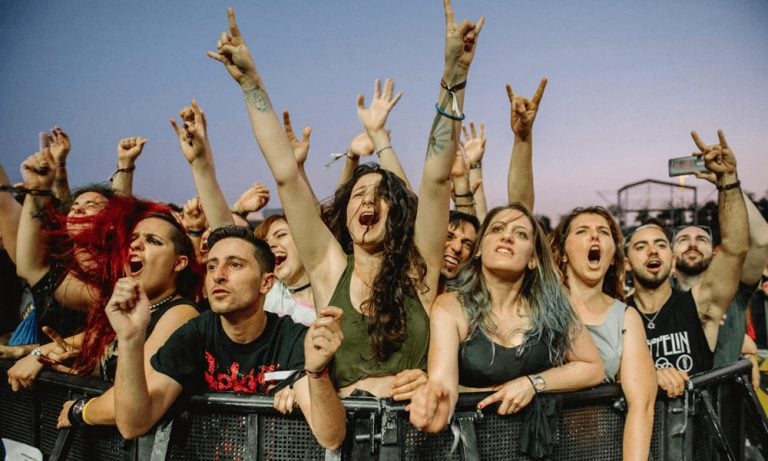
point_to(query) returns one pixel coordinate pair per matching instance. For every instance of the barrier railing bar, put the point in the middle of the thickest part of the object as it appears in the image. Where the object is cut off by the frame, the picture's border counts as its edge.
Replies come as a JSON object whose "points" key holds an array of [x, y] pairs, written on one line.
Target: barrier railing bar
{"points": [[715, 428]]}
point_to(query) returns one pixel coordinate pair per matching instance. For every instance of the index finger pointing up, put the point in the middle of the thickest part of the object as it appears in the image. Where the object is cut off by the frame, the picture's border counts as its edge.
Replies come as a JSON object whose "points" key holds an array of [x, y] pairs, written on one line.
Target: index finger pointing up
{"points": [[449, 18], [540, 91], [702, 147], [233, 30]]}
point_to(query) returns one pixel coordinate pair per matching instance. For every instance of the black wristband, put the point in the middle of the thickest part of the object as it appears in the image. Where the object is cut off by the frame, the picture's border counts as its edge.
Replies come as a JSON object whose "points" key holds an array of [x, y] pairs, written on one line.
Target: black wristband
{"points": [[730, 186], [75, 414]]}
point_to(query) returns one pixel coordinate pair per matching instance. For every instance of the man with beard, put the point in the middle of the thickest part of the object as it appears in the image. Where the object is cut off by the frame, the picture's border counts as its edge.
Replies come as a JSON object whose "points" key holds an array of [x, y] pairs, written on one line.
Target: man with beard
{"points": [[692, 249], [682, 326]]}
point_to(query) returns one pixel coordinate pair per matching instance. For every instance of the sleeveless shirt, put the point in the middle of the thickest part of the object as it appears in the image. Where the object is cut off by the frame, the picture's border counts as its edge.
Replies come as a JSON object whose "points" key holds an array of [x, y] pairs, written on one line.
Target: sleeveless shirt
{"points": [[485, 363], [608, 337], [354, 359], [677, 339]]}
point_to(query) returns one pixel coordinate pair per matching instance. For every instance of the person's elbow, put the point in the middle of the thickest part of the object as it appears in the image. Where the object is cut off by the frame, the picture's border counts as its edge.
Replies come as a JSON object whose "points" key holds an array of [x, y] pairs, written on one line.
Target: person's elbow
{"points": [[333, 441], [594, 373], [130, 430]]}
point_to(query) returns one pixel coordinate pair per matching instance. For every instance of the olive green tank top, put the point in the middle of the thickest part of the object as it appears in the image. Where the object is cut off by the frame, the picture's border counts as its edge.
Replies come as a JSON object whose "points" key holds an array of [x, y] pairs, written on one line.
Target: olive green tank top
{"points": [[354, 359]]}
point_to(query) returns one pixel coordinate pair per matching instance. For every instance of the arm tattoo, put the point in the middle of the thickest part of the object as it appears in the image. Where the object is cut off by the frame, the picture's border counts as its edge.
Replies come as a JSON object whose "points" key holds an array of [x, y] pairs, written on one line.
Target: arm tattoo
{"points": [[440, 133], [257, 98]]}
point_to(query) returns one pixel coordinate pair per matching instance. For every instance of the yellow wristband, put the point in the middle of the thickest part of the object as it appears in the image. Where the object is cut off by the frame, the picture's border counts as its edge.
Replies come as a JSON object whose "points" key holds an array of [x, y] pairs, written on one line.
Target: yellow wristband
{"points": [[85, 407]]}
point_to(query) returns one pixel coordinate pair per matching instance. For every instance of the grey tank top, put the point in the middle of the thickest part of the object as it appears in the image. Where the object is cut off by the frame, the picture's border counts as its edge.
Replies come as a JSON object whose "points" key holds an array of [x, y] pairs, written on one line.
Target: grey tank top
{"points": [[608, 339]]}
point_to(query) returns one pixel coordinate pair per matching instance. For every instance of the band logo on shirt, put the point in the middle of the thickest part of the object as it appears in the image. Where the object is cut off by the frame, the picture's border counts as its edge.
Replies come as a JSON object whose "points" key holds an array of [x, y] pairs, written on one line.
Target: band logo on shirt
{"points": [[673, 346], [234, 380]]}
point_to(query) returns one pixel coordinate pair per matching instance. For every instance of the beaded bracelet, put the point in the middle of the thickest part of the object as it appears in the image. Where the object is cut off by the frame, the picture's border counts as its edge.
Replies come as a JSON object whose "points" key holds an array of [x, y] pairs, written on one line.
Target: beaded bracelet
{"points": [[122, 170]]}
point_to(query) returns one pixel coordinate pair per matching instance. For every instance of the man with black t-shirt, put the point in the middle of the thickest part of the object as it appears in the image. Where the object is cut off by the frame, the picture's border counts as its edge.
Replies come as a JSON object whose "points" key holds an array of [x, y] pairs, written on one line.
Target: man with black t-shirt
{"points": [[229, 348], [682, 326]]}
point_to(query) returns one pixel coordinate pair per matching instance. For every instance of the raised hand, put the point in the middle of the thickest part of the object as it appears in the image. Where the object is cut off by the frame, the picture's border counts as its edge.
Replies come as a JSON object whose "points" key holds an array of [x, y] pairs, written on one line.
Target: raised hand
{"points": [[718, 158], [300, 146], [430, 407], [253, 199], [407, 382], [323, 339], [59, 145], [129, 149], [193, 137], [512, 396], [193, 216], [233, 53], [128, 309], [523, 111], [361, 146], [37, 171], [460, 41], [474, 144], [374, 117]]}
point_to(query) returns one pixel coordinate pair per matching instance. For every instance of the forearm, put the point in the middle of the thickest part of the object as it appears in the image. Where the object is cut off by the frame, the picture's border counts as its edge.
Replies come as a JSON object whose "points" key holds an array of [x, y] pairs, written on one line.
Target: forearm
{"points": [[10, 214], [30, 244], [462, 195], [328, 413], [61, 183], [520, 178], [133, 413], [122, 181], [638, 428], [387, 156], [732, 214], [757, 254], [212, 198], [348, 169], [101, 410], [573, 376], [481, 205]]}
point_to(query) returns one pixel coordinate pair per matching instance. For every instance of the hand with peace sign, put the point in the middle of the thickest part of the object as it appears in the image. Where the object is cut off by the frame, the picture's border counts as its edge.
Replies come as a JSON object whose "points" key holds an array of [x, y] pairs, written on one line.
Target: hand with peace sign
{"points": [[523, 111]]}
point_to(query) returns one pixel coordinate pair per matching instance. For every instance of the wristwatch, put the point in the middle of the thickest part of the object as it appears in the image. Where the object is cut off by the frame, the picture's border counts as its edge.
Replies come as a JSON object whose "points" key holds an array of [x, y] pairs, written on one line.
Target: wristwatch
{"points": [[538, 383]]}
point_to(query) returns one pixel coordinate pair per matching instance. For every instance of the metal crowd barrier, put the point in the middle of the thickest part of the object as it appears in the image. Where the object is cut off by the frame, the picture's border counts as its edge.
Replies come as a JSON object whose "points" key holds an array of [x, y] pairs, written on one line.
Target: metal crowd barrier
{"points": [[710, 422]]}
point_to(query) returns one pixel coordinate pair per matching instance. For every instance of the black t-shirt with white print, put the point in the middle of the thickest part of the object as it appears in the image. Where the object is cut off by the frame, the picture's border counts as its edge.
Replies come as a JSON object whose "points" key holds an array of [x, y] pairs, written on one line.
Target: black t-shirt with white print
{"points": [[202, 358]]}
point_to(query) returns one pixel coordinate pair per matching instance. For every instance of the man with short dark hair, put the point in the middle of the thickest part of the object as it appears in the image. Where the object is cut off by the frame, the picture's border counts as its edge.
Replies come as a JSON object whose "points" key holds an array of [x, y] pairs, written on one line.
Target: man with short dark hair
{"points": [[459, 243], [227, 349], [682, 326]]}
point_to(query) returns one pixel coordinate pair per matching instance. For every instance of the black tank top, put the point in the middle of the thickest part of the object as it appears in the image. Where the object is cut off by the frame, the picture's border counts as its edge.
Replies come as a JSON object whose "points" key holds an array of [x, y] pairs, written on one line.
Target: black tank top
{"points": [[677, 338], [484, 363]]}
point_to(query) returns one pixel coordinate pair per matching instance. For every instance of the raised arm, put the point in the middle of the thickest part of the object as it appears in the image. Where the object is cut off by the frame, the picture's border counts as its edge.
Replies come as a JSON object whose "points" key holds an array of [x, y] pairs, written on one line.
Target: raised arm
{"points": [[720, 281], [38, 174], [435, 189], [60, 146], [10, 214], [474, 149], [141, 399], [193, 139], [360, 146], [323, 257], [300, 148], [462, 195], [374, 118], [101, 409], [252, 200], [523, 114], [128, 150]]}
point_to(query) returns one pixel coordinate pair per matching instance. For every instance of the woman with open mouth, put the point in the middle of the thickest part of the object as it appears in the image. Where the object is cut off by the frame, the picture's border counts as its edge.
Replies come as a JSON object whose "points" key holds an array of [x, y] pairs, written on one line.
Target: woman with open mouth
{"points": [[162, 259], [504, 326], [587, 244], [292, 293]]}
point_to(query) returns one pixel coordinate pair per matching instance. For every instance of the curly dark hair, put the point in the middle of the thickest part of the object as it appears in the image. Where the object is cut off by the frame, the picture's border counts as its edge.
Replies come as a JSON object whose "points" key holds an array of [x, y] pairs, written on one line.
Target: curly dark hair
{"points": [[613, 283], [403, 268]]}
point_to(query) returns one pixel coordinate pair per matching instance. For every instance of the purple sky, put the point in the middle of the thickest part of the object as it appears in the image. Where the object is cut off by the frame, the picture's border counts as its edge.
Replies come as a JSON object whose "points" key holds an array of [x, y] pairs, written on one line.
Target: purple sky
{"points": [[628, 81]]}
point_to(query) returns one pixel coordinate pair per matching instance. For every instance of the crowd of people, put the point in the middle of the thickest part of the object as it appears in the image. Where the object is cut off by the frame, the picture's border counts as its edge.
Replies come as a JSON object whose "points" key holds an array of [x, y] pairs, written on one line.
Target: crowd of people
{"points": [[377, 291]]}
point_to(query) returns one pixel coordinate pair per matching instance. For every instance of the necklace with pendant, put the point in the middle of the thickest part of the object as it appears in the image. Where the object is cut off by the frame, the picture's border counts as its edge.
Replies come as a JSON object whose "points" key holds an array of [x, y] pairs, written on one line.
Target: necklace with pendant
{"points": [[651, 324]]}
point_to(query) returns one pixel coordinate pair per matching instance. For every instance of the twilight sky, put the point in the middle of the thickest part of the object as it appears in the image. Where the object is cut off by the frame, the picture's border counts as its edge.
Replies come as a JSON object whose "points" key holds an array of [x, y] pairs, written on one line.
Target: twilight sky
{"points": [[628, 81]]}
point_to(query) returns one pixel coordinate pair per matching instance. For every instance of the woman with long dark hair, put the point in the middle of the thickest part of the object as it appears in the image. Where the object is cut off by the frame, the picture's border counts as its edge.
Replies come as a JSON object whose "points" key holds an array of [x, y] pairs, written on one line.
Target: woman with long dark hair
{"points": [[389, 280], [587, 245], [505, 326]]}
